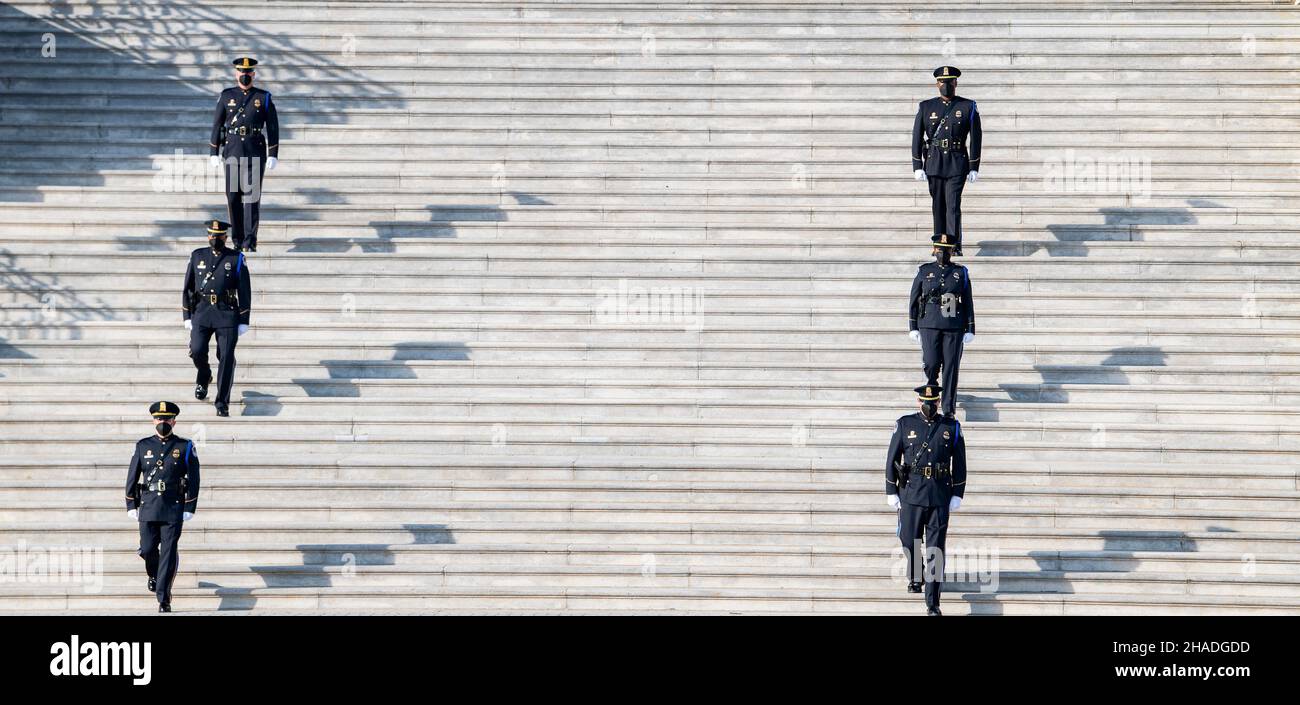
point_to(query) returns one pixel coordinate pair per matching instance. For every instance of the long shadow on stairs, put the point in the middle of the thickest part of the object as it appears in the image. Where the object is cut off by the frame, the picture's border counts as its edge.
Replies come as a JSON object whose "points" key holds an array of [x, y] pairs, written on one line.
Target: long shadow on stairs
{"points": [[313, 571]]}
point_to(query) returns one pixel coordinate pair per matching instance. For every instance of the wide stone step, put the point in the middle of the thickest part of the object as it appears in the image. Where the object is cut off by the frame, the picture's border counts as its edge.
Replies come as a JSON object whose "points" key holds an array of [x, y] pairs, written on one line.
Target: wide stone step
{"points": [[423, 375], [317, 601], [648, 559], [396, 469], [222, 495], [972, 536], [28, 360], [661, 577], [525, 407]]}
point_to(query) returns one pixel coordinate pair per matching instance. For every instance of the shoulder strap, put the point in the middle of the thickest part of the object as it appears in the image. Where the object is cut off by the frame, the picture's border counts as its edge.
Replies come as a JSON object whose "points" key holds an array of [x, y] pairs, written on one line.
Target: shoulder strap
{"points": [[944, 118]]}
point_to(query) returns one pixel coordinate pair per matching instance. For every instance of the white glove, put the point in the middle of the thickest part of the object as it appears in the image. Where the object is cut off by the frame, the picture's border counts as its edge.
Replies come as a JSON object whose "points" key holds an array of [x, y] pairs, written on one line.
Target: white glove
{"points": [[954, 504], [271, 162], [892, 500], [186, 516], [915, 335], [973, 177], [133, 513], [965, 339], [243, 328], [189, 325], [214, 161], [919, 175]]}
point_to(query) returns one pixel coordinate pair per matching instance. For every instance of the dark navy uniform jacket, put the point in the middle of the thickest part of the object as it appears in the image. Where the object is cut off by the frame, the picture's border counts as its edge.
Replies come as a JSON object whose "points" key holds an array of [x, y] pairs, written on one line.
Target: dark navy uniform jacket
{"points": [[238, 122], [961, 129], [171, 461], [218, 291], [941, 298], [919, 443]]}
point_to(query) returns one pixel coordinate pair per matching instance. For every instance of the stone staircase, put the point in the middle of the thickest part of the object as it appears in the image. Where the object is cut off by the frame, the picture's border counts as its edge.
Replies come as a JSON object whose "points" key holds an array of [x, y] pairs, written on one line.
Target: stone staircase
{"points": [[458, 396]]}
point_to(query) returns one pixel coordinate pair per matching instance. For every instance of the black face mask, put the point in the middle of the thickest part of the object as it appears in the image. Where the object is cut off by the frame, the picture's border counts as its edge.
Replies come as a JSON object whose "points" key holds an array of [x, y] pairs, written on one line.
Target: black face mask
{"points": [[245, 79], [164, 428], [946, 89], [927, 409], [217, 243], [941, 255]]}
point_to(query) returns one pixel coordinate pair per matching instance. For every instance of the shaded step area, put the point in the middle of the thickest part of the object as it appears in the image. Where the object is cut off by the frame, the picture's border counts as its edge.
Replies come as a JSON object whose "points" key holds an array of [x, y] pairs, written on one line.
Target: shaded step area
{"points": [[1183, 542], [437, 410]]}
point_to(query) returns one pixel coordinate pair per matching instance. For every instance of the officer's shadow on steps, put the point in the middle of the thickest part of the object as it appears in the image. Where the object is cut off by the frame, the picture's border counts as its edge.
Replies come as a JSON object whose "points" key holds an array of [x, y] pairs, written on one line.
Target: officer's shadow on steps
{"points": [[326, 566], [1118, 225], [43, 308], [259, 404], [388, 234], [1118, 554], [342, 373], [180, 99], [1052, 389]]}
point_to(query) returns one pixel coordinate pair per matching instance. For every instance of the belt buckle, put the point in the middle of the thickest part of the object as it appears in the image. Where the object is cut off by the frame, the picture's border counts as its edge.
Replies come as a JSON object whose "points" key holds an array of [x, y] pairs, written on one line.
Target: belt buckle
{"points": [[944, 144], [927, 472], [212, 299], [243, 129]]}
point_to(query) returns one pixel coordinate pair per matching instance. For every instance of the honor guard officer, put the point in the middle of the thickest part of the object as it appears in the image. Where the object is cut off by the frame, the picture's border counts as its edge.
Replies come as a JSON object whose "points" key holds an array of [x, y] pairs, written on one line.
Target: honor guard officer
{"points": [[242, 113], [216, 299], [925, 479], [941, 316], [162, 492], [945, 128]]}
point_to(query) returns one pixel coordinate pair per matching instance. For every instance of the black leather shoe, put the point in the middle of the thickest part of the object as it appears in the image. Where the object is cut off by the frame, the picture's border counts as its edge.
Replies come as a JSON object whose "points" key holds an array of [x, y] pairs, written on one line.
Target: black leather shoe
{"points": [[914, 587], [223, 411], [957, 253], [165, 607], [153, 585], [933, 612], [251, 248], [200, 391]]}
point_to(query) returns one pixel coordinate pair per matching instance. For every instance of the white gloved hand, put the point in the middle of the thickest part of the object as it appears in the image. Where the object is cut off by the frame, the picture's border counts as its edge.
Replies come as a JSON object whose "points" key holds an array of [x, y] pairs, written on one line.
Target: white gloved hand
{"points": [[954, 504], [133, 513], [892, 500], [186, 516], [965, 339], [271, 162], [915, 335], [214, 161], [243, 328], [973, 177], [189, 325], [919, 175]]}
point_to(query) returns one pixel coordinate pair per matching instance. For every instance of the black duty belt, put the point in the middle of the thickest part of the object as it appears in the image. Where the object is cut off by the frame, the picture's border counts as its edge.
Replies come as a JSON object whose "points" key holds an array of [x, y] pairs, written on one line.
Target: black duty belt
{"points": [[946, 144], [228, 298], [158, 486], [931, 471], [244, 131]]}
